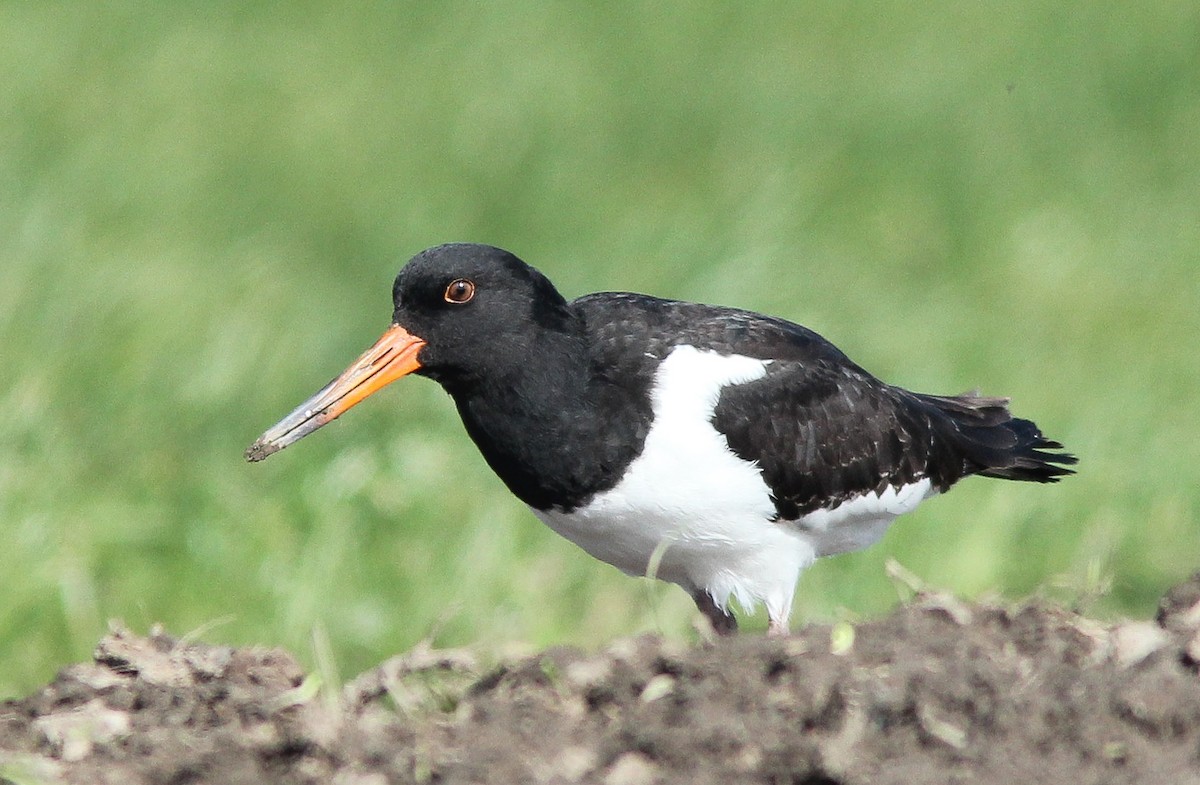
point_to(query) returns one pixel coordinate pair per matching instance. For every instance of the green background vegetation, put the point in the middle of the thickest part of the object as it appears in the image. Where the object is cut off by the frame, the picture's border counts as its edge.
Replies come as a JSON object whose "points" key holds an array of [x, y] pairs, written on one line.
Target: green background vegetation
{"points": [[202, 207]]}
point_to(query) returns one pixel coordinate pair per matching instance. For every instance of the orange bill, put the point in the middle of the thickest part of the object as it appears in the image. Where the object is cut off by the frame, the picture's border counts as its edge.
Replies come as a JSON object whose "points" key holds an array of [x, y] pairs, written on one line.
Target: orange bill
{"points": [[394, 355]]}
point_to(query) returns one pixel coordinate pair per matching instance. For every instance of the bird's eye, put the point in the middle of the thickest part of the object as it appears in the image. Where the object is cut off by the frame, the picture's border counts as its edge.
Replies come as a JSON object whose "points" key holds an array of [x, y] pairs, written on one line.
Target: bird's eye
{"points": [[459, 291]]}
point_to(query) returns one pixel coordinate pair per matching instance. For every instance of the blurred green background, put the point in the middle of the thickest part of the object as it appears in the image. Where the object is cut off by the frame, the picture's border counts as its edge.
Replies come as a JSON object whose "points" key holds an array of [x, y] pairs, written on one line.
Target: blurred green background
{"points": [[202, 207]]}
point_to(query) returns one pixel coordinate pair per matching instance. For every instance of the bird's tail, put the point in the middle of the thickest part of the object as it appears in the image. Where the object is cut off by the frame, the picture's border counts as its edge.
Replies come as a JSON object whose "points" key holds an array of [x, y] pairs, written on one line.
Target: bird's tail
{"points": [[996, 444]]}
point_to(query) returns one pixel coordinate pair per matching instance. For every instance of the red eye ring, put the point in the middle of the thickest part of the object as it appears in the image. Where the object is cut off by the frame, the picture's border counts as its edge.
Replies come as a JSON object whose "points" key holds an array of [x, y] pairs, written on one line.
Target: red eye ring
{"points": [[459, 291]]}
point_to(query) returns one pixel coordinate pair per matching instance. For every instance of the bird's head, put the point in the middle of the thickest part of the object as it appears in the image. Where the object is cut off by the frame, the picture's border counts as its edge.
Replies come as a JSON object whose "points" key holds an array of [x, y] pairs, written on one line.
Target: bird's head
{"points": [[462, 313]]}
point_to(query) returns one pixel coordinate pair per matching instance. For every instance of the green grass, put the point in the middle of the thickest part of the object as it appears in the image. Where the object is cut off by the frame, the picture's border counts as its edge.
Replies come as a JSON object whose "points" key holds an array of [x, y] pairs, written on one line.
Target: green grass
{"points": [[202, 208]]}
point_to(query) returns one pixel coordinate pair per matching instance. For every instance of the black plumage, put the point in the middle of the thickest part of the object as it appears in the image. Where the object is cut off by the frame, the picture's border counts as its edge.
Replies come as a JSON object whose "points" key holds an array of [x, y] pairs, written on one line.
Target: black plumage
{"points": [[560, 398]]}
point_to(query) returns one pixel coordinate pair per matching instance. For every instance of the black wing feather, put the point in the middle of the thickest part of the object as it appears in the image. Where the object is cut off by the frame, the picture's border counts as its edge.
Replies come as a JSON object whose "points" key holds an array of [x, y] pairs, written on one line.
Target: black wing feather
{"points": [[825, 433], [821, 428]]}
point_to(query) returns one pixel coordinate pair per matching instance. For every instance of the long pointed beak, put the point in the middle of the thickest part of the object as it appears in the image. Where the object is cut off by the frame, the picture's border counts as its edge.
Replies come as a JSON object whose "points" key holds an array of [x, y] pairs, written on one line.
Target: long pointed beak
{"points": [[394, 355]]}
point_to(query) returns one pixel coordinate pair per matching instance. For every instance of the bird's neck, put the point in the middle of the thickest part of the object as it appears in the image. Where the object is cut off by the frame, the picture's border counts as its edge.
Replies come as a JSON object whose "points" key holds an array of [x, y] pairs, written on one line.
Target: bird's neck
{"points": [[552, 431]]}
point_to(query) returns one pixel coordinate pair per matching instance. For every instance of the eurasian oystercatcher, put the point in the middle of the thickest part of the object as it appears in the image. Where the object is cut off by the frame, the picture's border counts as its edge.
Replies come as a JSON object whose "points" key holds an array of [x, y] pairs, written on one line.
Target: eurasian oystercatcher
{"points": [[720, 449]]}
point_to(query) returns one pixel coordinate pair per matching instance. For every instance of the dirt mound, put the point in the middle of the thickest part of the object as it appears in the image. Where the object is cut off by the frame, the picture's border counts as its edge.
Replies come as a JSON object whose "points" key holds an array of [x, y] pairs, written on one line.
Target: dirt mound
{"points": [[938, 691]]}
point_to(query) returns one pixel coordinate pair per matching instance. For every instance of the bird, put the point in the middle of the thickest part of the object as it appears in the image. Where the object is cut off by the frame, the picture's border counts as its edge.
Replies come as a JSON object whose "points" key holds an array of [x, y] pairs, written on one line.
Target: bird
{"points": [[714, 448]]}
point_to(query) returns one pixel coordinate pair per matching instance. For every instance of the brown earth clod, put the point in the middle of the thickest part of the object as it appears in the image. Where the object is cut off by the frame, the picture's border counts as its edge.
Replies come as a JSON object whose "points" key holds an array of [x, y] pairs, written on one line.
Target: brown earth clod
{"points": [[940, 690]]}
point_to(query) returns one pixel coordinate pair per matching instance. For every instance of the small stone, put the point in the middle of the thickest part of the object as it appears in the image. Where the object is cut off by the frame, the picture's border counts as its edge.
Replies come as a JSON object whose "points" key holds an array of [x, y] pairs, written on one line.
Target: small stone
{"points": [[632, 769], [1136, 640], [208, 662], [659, 686], [73, 734], [946, 732], [623, 649], [586, 673], [573, 763], [92, 676]]}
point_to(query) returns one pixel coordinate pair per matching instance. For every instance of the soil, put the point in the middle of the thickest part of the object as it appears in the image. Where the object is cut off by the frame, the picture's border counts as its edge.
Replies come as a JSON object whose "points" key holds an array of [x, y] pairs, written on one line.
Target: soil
{"points": [[938, 691]]}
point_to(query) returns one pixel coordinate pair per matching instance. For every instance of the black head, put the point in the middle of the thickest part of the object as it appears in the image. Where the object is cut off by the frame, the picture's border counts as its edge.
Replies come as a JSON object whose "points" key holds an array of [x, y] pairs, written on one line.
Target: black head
{"points": [[466, 315], [479, 309]]}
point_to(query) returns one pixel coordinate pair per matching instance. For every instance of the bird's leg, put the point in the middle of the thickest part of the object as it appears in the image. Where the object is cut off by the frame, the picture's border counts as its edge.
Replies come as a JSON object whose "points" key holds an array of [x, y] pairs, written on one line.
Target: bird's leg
{"points": [[778, 628], [722, 620]]}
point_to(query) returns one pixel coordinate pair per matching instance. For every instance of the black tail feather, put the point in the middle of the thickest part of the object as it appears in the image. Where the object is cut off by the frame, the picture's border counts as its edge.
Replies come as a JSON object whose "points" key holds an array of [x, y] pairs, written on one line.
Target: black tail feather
{"points": [[996, 444]]}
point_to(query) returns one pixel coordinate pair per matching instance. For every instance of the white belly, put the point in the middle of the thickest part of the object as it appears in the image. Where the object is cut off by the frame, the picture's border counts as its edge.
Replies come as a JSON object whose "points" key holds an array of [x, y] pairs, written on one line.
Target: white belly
{"points": [[691, 512]]}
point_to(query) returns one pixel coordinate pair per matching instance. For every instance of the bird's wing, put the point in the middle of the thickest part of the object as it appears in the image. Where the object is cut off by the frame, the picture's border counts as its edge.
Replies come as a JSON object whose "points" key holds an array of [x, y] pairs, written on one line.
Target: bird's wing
{"points": [[824, 432], [821, 429]]}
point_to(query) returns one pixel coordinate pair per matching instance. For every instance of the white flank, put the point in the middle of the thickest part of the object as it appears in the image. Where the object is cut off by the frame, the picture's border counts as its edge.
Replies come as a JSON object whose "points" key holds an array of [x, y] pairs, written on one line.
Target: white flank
{"points": [[700, 516], [861, 520]]}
